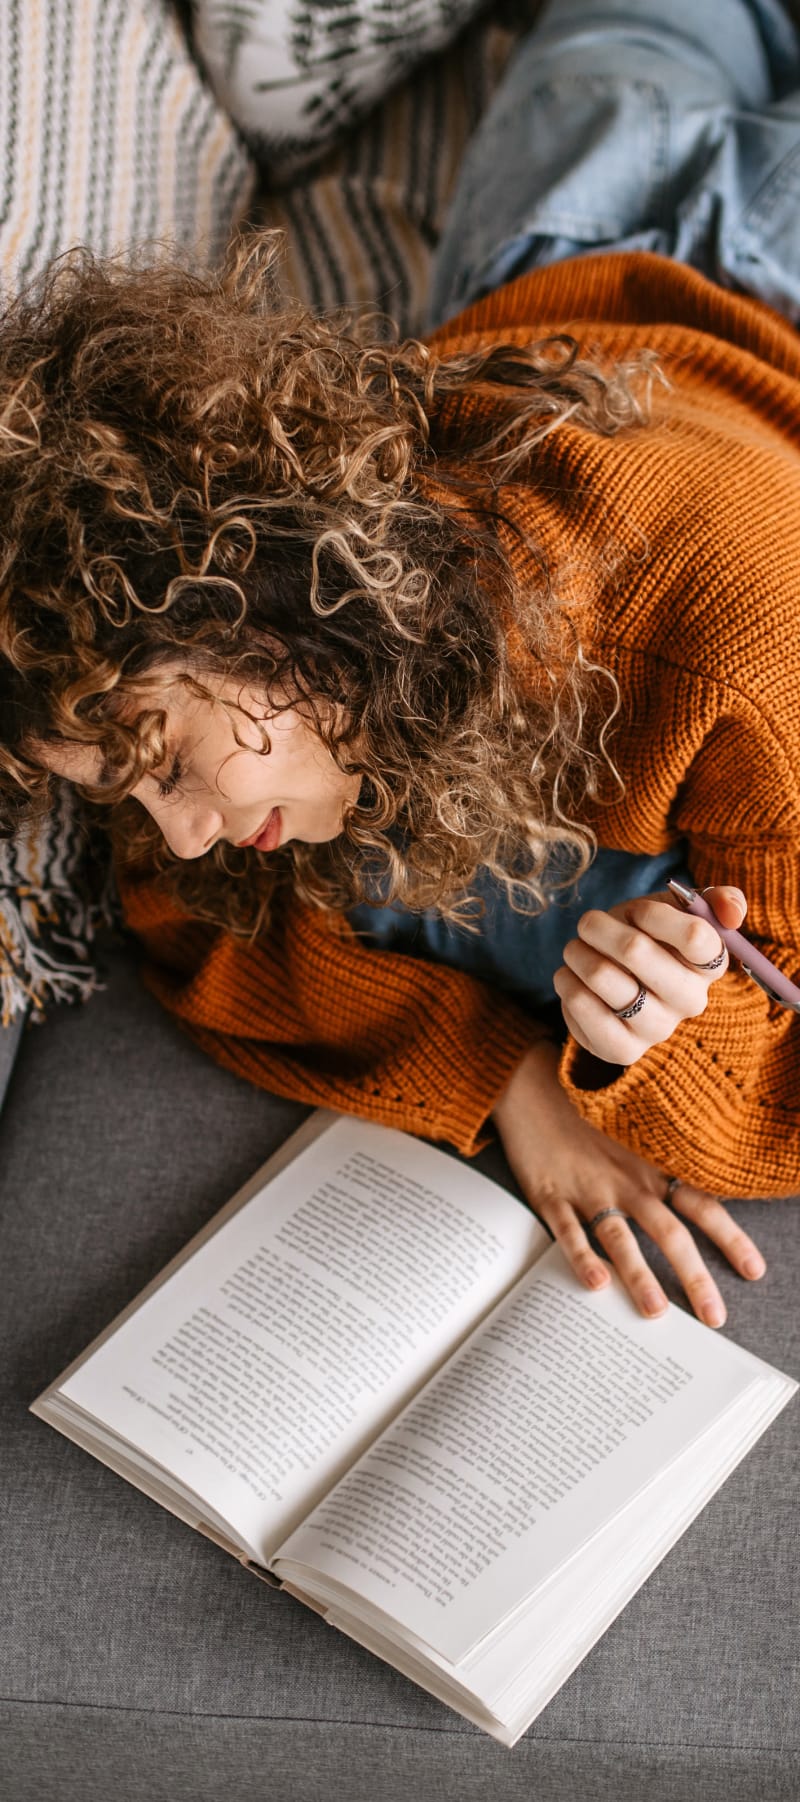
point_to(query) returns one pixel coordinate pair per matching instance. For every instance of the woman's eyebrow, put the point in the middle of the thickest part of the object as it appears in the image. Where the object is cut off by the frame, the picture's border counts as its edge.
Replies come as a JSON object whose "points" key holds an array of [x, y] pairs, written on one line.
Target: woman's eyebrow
{"points": [[107, 776]]}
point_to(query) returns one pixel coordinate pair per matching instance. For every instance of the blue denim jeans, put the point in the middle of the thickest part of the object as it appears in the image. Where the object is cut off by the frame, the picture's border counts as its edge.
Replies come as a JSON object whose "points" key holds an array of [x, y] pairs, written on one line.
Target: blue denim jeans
{"points": [[520, 952], [664, 125]]}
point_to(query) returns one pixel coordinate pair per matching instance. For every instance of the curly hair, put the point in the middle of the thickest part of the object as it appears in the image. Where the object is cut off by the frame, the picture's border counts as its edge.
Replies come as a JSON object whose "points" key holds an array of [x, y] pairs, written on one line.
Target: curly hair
{"points": [[194, 473]]}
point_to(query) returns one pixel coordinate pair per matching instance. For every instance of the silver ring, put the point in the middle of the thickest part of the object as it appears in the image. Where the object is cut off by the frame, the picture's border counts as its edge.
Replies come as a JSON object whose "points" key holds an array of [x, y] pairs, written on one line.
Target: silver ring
{"points": [[673, 1183], [714, 963], [606, 1214], [627, 1013]]}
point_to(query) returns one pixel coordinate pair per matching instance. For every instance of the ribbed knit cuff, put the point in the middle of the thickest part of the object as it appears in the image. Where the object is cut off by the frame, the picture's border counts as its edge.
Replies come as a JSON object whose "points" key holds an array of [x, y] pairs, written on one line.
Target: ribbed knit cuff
{"points": [[686, 1112]]}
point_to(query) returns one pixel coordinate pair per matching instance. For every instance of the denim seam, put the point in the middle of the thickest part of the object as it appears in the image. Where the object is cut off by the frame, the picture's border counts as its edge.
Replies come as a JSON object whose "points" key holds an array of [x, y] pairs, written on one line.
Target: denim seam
{"points": [[778, 183]]}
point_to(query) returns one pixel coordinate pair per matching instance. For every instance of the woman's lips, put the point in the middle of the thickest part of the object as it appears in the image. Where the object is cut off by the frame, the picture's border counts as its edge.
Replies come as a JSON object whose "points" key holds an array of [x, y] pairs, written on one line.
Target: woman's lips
{"points": [[268, 836]]}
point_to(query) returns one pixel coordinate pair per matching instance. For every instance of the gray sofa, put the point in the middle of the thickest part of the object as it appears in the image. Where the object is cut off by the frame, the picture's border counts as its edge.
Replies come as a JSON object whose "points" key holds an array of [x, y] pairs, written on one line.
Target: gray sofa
{"points": [[139, 1663]]}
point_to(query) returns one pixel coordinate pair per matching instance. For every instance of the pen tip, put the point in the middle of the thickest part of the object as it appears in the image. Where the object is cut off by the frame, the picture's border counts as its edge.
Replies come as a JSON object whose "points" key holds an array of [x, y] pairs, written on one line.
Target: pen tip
{"points": [[679, 889]]}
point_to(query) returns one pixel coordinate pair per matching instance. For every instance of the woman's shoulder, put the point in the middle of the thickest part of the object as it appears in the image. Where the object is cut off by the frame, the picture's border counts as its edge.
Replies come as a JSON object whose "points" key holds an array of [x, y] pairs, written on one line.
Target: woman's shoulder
{"points": [[677, 541]]}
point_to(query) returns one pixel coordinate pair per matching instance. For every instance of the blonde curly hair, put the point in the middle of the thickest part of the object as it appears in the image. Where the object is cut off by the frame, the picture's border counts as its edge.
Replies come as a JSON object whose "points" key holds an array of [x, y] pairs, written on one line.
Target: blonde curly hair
{"points": [[194, 473]]}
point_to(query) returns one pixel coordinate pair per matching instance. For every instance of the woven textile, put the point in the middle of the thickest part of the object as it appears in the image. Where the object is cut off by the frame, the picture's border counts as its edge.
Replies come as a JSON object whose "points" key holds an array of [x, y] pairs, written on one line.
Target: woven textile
{"points": [[110, 135], [52, 896]]}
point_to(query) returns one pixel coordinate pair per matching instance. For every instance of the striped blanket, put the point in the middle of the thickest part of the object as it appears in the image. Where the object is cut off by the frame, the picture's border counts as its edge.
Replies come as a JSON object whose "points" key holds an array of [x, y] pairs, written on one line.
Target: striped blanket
{"points": [[112, 134]]}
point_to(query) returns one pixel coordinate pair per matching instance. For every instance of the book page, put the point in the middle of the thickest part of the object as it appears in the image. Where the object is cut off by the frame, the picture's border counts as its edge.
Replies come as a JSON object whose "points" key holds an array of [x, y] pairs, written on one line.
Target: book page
{"points": [[505, 1682], [560, 1408], [271, 1356]]}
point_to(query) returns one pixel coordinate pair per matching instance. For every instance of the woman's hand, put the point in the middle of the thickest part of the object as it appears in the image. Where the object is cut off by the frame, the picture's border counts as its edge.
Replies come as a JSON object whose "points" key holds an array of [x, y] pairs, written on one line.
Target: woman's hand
{"points": [[569, 1172], [646, 948]]}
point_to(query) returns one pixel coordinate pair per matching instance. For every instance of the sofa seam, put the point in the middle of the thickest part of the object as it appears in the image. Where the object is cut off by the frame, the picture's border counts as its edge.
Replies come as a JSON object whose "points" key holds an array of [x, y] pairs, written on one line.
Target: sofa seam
{"points": [[303, 1720]]}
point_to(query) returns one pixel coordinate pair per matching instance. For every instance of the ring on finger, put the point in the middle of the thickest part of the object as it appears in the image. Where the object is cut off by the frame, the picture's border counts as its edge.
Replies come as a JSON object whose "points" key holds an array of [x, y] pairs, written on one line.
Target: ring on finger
{"points": [[628, 1013], [673, 1183], [714, 963], [605, 1214]]}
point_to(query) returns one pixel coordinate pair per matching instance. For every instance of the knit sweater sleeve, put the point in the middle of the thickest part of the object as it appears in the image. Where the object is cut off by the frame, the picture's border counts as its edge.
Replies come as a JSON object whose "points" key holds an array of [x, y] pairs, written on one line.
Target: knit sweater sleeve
{"points": [[716, 1105], [719, 1102], [309, 1012]]}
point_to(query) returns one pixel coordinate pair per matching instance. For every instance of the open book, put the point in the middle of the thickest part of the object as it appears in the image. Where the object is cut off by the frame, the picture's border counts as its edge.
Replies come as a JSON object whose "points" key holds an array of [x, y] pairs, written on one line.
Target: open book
{"points": [[374, 1379]]}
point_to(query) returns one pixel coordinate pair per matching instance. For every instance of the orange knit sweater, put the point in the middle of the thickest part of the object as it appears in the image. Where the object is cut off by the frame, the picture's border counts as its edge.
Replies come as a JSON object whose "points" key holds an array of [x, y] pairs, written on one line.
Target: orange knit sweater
{"points": [[699, 620]]}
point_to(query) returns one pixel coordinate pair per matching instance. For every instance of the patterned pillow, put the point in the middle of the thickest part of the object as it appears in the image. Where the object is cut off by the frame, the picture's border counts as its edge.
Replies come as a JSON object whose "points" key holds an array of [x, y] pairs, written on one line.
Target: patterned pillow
{"points": [[361, 227], [296, 75], [109, 136]]}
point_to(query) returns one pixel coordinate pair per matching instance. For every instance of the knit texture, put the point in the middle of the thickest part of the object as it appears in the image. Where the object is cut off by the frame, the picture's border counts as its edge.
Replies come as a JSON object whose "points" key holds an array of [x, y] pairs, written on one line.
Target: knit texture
{"points": [[682, 542]]}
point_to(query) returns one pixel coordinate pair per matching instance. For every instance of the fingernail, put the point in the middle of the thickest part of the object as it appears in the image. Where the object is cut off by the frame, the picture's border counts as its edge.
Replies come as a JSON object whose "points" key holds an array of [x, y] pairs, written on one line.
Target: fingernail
{"points": [[596, 1279], [753, 1266], [713, 1313], [653, 1301]]}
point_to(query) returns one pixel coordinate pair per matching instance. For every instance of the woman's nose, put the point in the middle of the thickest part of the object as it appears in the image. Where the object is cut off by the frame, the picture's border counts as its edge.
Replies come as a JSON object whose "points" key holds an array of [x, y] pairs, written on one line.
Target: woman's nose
{"points": [[190, 830]]}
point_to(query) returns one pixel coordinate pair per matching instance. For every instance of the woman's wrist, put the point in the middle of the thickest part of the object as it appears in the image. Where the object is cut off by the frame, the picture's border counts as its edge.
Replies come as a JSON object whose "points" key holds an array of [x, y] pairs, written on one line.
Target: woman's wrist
{"points": [[540, 1062]]}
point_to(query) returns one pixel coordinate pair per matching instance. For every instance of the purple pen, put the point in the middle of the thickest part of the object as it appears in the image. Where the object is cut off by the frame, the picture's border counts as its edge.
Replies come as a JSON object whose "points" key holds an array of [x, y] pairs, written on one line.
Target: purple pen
{"points": [[753, 962]]}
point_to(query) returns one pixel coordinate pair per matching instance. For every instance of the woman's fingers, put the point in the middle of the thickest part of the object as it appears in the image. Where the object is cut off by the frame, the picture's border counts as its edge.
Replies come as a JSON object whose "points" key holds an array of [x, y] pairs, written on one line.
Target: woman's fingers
{"points": [[612, 1202], [680, 1248], [592, 985], [592, 991], [571, 1228], [570, 1233], [655, 936], [712, 1217], [622, 1248], [573, 1175], [592, 1025], [616, 982], [648, 951], [619, 1245], [729, 904]]}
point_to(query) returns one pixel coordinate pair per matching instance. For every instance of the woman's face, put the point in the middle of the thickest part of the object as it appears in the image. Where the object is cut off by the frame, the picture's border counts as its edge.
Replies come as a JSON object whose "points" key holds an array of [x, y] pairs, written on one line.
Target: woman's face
{"points": [[211, 788]]}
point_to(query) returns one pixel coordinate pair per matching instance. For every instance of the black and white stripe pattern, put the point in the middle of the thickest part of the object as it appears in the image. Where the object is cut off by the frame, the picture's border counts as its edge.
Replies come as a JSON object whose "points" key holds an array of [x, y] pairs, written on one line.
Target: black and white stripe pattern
{"points": [[53, 896], [109, 135]]}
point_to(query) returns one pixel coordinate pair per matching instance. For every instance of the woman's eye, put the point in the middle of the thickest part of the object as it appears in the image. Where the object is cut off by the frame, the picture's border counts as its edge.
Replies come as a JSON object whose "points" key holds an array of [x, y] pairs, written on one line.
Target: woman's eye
{"points": [[168, 784]]}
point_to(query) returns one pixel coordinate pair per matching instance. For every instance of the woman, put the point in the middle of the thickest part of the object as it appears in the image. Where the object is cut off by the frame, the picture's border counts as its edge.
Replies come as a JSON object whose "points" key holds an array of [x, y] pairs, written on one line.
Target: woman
{"points": [[378, 637]]}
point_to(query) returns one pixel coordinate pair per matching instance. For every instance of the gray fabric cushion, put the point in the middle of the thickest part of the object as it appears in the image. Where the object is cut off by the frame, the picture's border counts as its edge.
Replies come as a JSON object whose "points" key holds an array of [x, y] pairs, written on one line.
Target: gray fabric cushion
{"points": [[140, 1662]]}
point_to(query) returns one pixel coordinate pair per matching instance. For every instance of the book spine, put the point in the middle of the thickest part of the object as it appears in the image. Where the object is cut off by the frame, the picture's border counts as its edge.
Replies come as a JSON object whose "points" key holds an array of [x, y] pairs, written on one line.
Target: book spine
{"points": [[227, 1545]]}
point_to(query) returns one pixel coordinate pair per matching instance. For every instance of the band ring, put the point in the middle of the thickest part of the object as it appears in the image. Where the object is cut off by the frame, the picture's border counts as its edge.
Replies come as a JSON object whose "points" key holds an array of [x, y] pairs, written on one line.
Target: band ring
{"points": [[715, 962], [673, 1183], [628, 1013], [606, 1214]]}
